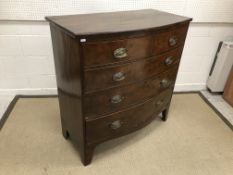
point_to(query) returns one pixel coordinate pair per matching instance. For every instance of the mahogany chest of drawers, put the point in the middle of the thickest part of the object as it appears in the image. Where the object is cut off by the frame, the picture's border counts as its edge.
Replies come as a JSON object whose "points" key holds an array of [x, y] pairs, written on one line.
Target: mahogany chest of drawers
{"points": [[115, 72]]}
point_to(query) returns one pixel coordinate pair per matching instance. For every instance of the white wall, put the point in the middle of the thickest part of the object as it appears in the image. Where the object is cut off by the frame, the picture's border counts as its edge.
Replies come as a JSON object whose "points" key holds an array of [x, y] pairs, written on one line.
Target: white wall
{"points": [[198, 55], [26, 59], [199, 10]]}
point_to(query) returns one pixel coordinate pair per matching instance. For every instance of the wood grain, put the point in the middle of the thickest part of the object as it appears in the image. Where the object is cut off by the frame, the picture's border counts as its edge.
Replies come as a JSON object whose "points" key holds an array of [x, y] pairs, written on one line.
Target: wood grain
{"points": [[99, 103], [101, 78], [102, 52], [131, 119], [68, 75], [116, 22]]}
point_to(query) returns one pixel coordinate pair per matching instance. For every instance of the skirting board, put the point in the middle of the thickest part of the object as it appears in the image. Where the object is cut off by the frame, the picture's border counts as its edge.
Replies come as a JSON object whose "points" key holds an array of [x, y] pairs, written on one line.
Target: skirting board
{"points": [[190, 87], [29, 91], [53, 91]]}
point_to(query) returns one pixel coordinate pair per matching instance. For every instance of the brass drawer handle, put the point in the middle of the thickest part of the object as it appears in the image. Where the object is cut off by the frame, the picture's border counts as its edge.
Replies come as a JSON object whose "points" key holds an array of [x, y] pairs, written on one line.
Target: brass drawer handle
{"points": [[172, 41], [165, 83], [115, 125], [120, 53], [119, 76], [117, 99], [169, 61]]}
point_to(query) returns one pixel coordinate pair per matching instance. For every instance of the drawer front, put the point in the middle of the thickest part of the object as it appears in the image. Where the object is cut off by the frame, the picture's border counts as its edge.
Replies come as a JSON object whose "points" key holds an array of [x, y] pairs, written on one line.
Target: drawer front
{"points": [[102, 53], [116, 99], [110, 76], [169, 39], [108, 52], [124, 122]]}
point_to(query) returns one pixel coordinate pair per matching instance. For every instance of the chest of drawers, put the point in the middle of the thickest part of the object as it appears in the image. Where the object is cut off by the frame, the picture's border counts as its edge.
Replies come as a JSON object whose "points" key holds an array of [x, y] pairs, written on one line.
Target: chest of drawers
{"points": [[115, 72]]}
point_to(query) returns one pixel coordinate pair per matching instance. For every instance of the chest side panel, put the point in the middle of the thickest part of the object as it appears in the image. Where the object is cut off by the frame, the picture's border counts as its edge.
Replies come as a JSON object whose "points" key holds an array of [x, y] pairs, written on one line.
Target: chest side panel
{"points": [[68, 74]]}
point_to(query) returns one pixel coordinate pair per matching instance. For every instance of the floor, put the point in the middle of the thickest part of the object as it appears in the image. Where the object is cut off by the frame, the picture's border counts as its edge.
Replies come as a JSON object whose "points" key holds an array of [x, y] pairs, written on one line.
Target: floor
{"points": [[220, 104], [215, 99], [161, 148]]}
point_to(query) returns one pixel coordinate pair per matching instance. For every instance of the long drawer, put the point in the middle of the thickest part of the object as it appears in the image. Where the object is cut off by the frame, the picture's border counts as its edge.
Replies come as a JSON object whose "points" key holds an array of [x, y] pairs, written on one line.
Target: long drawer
{"points": [[126, 121], [115, 99], [112, 51], [110, 76]]}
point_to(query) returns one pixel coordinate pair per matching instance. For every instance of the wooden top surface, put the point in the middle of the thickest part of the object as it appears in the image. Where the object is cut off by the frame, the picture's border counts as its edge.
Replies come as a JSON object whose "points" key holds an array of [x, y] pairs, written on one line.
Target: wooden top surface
{"points": [[115, 22]]}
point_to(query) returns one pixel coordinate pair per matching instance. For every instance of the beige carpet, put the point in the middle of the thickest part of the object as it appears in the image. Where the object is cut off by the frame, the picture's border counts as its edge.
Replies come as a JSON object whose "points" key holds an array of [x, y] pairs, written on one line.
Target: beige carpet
{"points": [[194, 141]]}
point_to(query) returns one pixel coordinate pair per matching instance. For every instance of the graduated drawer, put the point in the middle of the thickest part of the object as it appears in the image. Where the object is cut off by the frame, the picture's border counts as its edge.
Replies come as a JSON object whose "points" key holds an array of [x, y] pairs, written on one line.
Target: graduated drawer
{"points": [[126, 121], [97, 53], [115, 99], [110, 76]]}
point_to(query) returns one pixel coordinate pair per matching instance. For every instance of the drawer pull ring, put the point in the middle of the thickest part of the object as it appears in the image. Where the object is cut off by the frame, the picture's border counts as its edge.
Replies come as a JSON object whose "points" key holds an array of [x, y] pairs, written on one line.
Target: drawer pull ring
{"points": [[117, 99], [169, 61], [172, 41], [116, 124], [165, 83], [119, 76], [120, 53]]}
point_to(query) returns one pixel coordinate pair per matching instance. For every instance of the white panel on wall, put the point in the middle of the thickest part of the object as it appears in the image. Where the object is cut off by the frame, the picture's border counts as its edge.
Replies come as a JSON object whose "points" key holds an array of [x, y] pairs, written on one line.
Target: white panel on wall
{"points": [[200, 10]]}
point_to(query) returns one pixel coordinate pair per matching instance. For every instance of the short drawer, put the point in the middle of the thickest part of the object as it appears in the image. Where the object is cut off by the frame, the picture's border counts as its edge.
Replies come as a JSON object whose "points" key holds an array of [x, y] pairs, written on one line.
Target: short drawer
{"points": [[107, 52], [98, 53], [115, 99], [126, 121], [110, 76], [169, 39]]}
